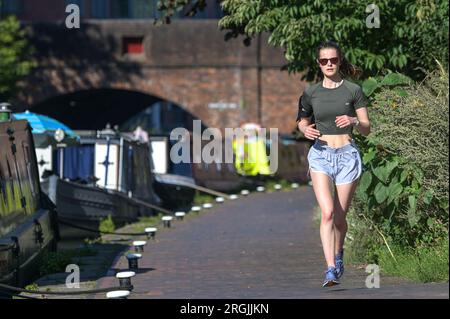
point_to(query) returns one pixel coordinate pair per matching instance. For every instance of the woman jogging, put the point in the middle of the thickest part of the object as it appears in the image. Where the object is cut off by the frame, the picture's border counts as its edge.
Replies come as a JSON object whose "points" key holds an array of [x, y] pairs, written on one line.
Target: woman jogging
{"points": [[337, 106]]}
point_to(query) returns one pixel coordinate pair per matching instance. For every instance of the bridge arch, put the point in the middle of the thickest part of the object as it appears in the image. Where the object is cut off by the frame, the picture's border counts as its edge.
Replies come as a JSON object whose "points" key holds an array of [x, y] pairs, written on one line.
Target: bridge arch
{"points": [[93, 109]]}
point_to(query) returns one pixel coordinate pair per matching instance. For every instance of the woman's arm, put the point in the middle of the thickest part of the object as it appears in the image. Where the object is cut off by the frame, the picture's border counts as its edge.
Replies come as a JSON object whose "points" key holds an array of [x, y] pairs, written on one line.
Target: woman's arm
{"points": [[361, 116], [305, 126], [305, 112], [364, 123], [303, 123]]}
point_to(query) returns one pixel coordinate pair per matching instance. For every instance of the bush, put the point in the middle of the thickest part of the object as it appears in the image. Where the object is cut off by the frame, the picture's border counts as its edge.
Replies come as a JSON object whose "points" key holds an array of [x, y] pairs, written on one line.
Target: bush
{"points": [[416, 127], [401, 204], [55, 262], [404, 189]]}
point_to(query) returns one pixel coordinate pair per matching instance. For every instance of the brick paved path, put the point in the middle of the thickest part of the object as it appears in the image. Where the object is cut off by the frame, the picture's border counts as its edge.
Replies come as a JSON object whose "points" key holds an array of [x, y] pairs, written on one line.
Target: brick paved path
{"points": [[260, 246]]}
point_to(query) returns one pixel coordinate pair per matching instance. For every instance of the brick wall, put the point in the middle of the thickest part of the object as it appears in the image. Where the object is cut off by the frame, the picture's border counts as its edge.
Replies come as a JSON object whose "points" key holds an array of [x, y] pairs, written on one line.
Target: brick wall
{"points": [[187, 62]]}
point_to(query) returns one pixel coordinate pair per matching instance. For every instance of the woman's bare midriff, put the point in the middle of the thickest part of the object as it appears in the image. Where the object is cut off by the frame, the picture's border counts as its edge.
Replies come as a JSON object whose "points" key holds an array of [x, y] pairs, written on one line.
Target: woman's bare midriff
{"points": [[336, 141]]}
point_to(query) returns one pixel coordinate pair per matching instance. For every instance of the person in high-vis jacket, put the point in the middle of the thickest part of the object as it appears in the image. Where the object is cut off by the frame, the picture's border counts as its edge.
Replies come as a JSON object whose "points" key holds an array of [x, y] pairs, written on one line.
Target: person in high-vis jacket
{"points": [[329, 111], [250, 156]]}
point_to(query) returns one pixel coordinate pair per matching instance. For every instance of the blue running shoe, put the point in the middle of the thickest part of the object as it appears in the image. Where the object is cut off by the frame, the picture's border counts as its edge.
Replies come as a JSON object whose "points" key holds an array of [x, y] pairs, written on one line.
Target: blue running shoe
{"points": [[339, 261], [330, 277]]}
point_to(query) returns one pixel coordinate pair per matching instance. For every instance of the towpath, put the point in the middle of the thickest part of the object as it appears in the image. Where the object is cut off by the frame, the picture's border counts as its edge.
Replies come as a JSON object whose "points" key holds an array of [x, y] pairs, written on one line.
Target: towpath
{"points": [[261, 246]]}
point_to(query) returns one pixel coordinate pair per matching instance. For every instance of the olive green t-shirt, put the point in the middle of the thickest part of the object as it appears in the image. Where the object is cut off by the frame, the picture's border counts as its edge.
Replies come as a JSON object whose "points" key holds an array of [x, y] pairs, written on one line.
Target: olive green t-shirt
{"points": [[325, 104]]}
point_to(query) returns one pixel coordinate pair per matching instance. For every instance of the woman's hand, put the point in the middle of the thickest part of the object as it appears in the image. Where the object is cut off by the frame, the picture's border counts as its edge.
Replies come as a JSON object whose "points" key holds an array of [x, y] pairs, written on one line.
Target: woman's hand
{"points": [[344, 121], [311, 133]]}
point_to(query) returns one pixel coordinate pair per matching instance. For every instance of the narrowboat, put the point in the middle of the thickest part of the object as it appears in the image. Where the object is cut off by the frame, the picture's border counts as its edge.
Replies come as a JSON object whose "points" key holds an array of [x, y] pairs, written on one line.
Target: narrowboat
{"points": [[106, 174], [28, 221]]}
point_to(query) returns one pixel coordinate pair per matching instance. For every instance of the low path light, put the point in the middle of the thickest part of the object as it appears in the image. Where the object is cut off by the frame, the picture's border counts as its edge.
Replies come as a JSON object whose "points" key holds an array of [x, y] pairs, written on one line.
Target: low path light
{"points": [[151, 232], [125, 279], [118, 294], [167, 221], [196, 209], [139, 245], [245, 192], [180, 215], [133, 260]]}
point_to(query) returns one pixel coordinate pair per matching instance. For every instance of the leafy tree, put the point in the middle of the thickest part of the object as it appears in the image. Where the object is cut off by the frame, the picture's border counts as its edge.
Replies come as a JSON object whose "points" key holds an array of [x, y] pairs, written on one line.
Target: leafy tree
{"points": [[411, 37], [15, 61]]}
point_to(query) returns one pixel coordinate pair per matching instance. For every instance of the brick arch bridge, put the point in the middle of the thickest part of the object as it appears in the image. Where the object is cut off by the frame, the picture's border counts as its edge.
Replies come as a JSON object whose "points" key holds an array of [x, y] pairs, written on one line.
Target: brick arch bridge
{"points": [[187, 63], [95, 108]]}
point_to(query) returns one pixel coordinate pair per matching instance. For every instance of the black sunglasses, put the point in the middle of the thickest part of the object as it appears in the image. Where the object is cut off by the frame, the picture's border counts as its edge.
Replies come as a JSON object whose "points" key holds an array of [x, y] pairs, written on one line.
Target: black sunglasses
{"points": [[324, 61]]}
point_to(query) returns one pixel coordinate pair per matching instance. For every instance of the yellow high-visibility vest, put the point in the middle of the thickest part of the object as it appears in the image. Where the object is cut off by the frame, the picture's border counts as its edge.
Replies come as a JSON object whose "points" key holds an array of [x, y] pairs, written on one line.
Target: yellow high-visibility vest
{"points": [[250, 157]]}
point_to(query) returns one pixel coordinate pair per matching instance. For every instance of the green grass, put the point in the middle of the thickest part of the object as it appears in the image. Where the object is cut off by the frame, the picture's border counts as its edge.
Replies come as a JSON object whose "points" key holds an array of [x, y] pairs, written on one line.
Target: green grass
{"points": [[423, 264], [146, 221], [107, 225], [33, 287], [201, 198]]}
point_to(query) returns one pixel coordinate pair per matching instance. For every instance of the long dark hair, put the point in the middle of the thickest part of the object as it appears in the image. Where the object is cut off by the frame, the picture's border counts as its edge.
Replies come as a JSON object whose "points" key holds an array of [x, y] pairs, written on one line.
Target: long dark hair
{"points": [[346, 68]]}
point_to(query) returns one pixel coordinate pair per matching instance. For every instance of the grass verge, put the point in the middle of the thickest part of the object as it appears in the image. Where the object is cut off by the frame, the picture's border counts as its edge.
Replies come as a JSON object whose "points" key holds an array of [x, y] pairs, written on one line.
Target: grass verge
{"points": [[422, 264]]}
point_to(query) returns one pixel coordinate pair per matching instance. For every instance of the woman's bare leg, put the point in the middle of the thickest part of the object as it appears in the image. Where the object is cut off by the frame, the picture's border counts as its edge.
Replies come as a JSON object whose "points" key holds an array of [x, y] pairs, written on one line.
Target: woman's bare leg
{"points": [[322, 185], [342, 200]]}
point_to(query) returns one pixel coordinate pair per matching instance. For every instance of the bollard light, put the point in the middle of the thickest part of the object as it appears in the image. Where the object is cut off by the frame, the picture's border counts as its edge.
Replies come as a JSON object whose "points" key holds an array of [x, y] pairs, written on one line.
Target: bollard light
{"points": [[151, 232], [180, 215], [234, 196], [245, 192], [125, 279], [277, 187], [133, 260], [117, 294], [260, 188], [167, 220], [294, 185], [207, 205], [5, 112], [196, 209], [220, 199], [139, 245]]}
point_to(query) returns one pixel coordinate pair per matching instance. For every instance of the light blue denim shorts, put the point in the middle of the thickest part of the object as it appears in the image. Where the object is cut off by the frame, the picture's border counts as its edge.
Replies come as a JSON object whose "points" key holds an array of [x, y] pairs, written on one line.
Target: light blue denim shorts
{"points": [[342, 164]]}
